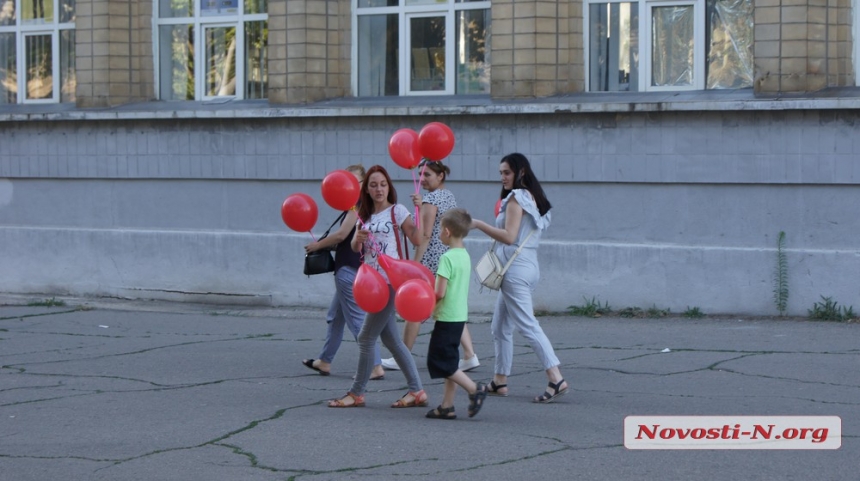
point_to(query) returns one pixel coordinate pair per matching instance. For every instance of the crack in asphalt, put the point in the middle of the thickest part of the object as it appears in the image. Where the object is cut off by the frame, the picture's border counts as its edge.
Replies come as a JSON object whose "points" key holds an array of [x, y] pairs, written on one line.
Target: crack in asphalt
{"points": [[254, 462]]}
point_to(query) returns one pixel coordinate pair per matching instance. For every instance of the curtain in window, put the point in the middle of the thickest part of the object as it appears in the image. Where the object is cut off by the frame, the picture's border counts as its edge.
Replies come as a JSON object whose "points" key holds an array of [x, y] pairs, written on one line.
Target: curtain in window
{"points": [[67, 11], [730, 53], [8, 69], [672, 46], [7, 12], [68, 79], [377, 55]]}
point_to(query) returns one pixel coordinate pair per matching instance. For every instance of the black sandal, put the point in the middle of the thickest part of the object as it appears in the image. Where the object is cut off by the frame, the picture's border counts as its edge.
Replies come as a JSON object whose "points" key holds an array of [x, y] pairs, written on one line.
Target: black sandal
{"points": [[476, 401], [309, 363], [441, 413], [493, 389], [553, 392]]}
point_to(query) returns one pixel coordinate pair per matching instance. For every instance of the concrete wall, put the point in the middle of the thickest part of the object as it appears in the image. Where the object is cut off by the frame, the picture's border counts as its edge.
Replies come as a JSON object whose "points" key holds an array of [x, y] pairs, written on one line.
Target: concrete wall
{"points": [[665, 209]]}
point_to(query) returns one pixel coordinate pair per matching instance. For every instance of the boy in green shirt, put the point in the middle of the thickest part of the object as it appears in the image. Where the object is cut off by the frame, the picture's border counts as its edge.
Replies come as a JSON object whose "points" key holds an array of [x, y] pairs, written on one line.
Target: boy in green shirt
{"points": [[451, 314]]}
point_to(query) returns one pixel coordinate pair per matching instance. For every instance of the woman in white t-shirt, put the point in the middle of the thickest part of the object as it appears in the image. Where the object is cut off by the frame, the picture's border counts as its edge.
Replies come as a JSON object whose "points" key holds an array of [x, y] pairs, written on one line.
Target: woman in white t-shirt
{"points": [[381, 219]]}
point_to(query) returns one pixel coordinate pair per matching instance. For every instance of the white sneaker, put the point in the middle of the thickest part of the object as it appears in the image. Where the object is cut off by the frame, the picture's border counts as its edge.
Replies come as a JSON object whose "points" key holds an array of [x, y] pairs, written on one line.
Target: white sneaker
{"points": [[469, 364], [391, 364]]}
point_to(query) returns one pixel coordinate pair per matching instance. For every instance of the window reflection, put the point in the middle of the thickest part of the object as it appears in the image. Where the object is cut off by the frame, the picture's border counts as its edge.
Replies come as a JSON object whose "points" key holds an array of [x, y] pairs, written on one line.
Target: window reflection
{"points": [[39, 67], [177, 62], [377, 55], [256, 55], [473, 56], [37, 11], [8, 69], [614, 47], [220, 61]]}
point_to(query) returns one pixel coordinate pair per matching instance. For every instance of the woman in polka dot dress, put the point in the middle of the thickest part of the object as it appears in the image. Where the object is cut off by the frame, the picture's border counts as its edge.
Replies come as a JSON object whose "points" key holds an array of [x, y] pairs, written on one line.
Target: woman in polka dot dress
{"points": [[435, 203]]}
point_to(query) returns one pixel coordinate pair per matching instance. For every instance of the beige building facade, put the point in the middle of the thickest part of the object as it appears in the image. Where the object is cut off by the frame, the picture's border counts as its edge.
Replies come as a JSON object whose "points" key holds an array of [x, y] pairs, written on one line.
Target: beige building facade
{"points": [[538, 49]]}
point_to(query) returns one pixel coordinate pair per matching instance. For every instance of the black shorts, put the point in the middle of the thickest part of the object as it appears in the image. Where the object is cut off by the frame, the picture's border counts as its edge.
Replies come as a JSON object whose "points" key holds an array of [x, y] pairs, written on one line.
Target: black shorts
{"points": [[443, 354]]}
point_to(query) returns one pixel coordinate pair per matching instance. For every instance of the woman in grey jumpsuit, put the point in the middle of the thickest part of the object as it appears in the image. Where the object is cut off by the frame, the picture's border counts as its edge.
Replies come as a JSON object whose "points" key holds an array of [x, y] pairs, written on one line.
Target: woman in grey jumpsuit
{"points": [[523, 216]]}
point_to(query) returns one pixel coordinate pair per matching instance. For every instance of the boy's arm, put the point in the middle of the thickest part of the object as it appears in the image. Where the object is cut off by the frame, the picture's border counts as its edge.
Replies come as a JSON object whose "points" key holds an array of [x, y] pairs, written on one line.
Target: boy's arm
{"points": [[441, 287]]}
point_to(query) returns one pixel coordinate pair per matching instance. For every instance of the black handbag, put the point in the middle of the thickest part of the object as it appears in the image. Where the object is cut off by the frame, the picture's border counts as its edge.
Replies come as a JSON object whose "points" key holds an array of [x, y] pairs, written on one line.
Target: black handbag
{"points": [[321, 261]]}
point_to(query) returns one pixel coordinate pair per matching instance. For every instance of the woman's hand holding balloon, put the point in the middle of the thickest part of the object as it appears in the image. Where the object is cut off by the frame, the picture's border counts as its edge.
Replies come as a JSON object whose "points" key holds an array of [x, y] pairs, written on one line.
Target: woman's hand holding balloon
{"points": [[416, 199]]}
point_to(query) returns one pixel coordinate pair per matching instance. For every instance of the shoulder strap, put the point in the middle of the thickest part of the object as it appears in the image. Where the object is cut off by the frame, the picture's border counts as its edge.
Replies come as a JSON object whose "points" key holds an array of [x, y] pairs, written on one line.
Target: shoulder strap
{"points": [[516, 252], [338, 220]]}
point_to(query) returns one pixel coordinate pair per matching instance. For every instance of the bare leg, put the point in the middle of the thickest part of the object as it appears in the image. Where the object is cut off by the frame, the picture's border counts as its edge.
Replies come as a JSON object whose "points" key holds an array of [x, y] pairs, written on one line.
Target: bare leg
{"points": [[410, 334], [466, 343]]}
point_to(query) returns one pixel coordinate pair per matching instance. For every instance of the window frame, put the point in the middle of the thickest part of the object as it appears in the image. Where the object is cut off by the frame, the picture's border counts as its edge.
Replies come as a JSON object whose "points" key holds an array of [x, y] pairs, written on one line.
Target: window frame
{"points": [[199, 23], [646, 8], [23, 29], [405, 13]]}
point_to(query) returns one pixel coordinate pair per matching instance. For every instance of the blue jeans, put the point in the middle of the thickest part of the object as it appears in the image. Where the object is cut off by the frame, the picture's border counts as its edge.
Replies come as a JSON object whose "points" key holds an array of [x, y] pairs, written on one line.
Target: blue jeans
{"points": [[343, 312]]}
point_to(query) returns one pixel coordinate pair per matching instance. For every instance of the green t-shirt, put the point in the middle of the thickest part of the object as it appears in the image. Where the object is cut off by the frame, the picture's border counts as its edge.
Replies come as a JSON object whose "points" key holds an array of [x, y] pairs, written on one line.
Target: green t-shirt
{"points": [[456, 266]]}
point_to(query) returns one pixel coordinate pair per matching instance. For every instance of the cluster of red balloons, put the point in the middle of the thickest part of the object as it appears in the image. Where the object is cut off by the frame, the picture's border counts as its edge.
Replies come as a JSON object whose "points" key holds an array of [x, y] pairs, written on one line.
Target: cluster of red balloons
{"points": [[340, 190], [407, 147], [413, 283]]}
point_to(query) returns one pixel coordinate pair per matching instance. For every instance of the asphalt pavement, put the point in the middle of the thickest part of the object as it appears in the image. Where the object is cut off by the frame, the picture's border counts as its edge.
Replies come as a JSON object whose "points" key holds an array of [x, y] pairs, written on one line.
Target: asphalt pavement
{"points": [[118, 390]]}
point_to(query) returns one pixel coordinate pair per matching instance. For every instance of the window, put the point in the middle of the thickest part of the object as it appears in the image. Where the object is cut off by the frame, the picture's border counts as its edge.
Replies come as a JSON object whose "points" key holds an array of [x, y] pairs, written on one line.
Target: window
{"points": [[421, 47], [37, 51], [231, 61], [650, 45]]}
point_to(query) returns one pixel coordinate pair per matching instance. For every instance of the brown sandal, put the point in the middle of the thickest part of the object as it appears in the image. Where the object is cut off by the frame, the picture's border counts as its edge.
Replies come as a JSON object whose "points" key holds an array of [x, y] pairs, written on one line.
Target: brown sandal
{"points": [[357, 401], [418, 399]]}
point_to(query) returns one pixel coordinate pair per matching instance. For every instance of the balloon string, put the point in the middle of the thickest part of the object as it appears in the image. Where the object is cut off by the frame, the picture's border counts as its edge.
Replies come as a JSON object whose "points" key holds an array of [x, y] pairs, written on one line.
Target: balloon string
{"points": [[415, 184], [373, 244], [417, 191], [312, 236]]}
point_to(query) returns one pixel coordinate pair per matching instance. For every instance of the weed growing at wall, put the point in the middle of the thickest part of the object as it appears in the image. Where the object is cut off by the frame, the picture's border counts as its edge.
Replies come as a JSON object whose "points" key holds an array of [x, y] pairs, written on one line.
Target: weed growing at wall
{"points": [[829, 310], [693, 313], [591, 308], [655, 312], [52, 302]]}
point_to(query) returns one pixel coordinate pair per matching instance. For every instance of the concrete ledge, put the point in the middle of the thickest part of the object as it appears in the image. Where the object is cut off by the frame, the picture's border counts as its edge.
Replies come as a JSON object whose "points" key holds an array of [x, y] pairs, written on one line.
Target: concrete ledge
{"points": [[584, 103], [257, 269]]}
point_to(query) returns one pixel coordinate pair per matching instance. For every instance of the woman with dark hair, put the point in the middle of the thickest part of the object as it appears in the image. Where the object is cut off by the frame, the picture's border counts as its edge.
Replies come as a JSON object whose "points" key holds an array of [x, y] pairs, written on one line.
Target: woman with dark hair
{"points": [[381, 219], [436, 202], [523, 216]]}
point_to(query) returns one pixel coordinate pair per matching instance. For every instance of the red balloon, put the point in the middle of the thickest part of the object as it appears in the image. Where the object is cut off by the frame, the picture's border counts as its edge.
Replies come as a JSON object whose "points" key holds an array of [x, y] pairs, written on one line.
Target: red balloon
{"points": [[340, 190], [498, 206], [370, 289], [403, 148], [401, 270], [415, 300], [436, 141], [299, 212]]}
